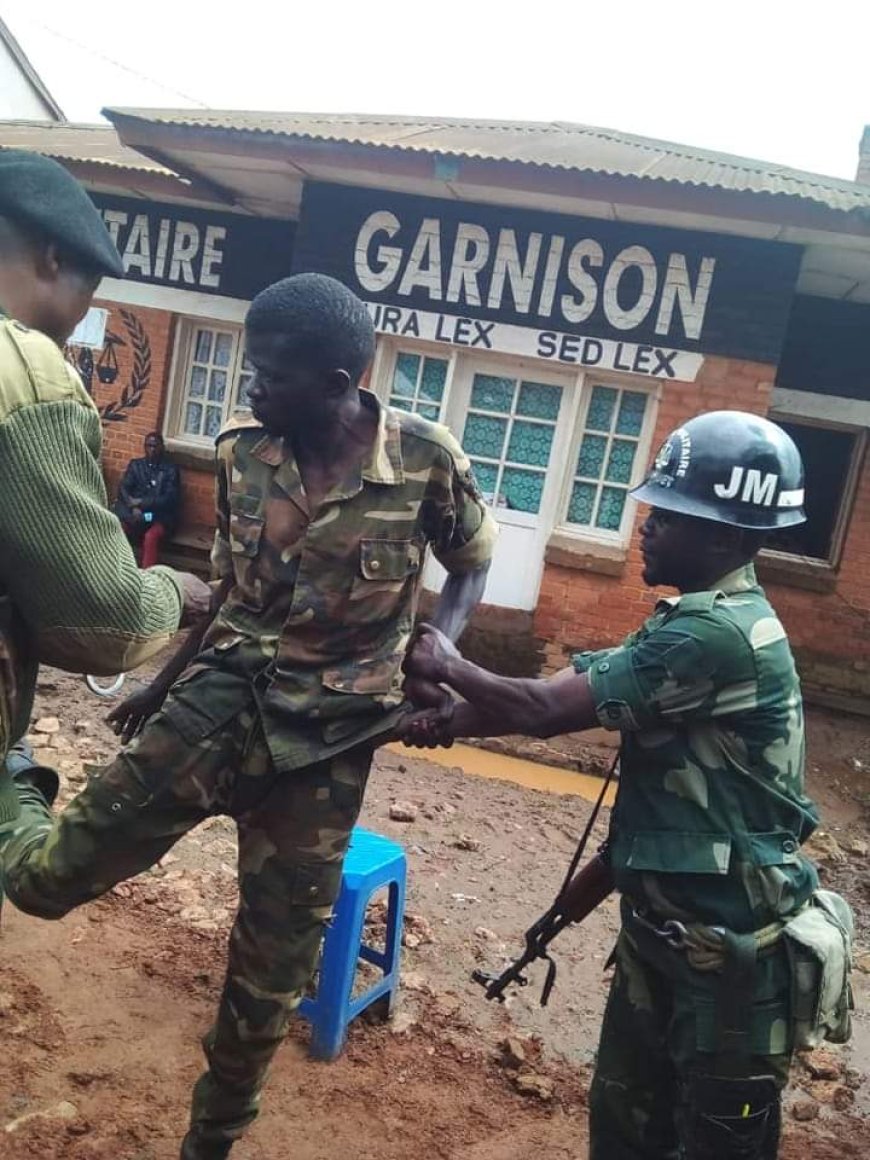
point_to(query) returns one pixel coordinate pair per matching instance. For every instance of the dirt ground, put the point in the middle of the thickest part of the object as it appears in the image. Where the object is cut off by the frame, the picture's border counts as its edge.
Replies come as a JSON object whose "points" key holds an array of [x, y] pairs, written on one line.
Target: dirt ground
{"points": [[100, 1014]]}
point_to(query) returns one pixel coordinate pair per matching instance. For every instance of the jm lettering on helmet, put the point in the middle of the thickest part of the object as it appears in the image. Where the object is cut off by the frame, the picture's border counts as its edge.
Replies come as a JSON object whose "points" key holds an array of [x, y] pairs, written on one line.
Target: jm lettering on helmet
{"points": [[731, 467]]}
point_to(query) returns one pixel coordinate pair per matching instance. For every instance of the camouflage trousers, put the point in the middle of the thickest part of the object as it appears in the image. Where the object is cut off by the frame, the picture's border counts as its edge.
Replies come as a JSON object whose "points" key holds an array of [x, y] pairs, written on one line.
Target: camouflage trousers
{"points": [[661, 1089], [190, 762]]}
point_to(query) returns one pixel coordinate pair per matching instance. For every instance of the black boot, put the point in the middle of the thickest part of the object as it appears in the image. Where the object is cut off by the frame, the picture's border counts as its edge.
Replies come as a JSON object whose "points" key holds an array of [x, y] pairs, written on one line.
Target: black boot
{"points": [[194, 1147]]}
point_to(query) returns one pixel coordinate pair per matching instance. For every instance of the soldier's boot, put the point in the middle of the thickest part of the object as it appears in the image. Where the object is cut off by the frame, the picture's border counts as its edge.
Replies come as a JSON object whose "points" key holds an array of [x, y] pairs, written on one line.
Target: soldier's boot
{"points": [[194, 1147], [27, 793]]}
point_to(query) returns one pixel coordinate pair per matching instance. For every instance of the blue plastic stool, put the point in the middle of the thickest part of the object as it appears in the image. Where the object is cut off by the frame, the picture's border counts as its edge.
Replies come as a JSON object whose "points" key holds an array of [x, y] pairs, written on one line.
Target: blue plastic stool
{"points": [[372, 862]]}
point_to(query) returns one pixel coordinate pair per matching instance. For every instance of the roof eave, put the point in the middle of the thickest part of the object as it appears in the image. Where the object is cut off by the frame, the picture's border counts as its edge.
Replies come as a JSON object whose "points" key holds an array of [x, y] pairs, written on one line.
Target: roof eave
{"points": [[161, 185], [156, 141]]}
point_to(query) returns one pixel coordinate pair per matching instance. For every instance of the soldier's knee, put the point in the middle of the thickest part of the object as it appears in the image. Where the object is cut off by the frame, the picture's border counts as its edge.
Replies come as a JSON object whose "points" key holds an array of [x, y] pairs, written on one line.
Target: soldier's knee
{"points": [[732, 1119]]}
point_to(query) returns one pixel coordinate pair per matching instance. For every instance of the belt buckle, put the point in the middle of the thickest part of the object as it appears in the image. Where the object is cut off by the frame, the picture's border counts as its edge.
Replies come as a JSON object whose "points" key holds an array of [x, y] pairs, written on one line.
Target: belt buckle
{"points": [[673, 933]]}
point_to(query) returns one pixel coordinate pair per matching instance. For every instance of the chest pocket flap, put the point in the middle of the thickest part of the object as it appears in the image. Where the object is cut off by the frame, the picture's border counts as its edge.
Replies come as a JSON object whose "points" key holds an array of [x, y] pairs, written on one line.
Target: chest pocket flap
{"points": [[678, 852], [777, 848], [389, 559]]}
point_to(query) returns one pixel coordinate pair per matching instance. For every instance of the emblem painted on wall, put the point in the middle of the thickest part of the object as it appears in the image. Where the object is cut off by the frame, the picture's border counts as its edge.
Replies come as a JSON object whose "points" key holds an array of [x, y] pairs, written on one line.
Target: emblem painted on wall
{"points": [[104, 367]]}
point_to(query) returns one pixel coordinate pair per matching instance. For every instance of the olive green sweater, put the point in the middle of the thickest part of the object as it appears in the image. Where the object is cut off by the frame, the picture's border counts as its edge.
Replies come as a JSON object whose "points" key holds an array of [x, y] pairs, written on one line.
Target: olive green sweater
{"points": [[71, 594]]}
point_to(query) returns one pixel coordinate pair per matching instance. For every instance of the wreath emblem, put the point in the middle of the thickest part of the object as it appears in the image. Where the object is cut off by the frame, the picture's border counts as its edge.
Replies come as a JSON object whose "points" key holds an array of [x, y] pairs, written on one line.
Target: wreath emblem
{"points": [[106, 368], [140, 377]]}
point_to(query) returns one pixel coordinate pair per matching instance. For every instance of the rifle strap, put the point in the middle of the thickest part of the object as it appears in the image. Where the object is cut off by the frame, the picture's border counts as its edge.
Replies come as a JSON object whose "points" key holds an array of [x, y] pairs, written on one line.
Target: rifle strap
{"points": [[584, 839]]}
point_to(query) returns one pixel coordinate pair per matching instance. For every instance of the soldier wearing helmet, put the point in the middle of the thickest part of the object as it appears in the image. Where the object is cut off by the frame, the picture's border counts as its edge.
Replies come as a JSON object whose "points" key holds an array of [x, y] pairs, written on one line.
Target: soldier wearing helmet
{"points": [[710, 815]]}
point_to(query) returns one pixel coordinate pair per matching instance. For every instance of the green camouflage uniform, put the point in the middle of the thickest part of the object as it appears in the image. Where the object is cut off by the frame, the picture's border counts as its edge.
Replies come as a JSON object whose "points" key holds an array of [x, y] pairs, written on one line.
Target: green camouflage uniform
{"points": [[275, 722], [706, 830]]}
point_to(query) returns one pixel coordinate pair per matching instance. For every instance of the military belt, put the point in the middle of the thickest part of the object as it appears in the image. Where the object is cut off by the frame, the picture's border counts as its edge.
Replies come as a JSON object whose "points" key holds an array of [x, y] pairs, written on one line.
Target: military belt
{"points": [[705, 947]]}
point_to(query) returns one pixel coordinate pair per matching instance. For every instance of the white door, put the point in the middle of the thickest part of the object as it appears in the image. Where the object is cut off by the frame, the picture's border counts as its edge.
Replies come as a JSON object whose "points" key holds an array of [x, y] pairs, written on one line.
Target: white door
{"points": [[508, 421]]}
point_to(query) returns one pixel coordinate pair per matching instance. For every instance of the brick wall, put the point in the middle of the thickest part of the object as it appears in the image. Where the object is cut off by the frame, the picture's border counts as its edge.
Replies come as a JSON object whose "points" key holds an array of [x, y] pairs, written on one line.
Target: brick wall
{"points": [[578, 609], [145, 352], [144, 355], [198, 488]]}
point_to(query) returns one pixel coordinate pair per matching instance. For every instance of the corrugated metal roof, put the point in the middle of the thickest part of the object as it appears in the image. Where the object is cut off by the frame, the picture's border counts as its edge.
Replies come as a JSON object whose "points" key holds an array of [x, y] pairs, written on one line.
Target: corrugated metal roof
{"points": [[558, 145], [94, 144]]}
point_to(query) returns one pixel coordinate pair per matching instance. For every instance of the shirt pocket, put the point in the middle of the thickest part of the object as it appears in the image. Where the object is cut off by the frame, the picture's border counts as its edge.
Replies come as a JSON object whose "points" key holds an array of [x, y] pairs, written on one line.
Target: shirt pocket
{"points": [[378, 677], [385, 567]]}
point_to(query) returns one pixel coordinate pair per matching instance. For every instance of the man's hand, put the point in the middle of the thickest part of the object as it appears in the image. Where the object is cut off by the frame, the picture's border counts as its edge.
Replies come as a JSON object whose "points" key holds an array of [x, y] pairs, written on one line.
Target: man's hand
{"points": [[128, 718], [197, 600], [424, 694], [428, 729], [428, 657]]}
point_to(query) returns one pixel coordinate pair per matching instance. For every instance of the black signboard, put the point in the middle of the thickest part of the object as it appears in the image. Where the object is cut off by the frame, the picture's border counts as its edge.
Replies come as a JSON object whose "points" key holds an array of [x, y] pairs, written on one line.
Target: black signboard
{"points": [[197, 249], [661, 287]]}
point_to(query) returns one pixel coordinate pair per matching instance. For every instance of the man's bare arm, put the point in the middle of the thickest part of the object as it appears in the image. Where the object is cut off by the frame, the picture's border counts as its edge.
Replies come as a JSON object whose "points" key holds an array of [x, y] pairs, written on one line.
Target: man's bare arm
{"points": [[493, 705]]}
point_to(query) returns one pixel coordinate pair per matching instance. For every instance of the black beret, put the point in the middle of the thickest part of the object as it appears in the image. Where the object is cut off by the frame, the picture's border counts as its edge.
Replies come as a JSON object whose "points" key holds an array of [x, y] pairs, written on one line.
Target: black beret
{"points": [[41, 194]]}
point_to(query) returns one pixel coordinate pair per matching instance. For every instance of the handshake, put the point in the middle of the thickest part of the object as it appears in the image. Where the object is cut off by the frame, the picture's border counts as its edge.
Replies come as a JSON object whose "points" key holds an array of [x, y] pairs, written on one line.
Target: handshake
{"points": [[429, 663]]}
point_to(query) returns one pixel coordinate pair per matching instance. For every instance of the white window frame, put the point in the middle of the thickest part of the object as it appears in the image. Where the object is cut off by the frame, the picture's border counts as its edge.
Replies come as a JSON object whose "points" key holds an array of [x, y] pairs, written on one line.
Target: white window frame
{"points": [[521, 370], [610, 538], [569, 430], [182, 360], [384, 368]]}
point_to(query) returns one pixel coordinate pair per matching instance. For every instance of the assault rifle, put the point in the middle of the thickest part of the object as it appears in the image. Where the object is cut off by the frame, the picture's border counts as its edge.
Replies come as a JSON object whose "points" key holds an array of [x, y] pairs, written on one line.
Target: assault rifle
{"points": [[581, 893]]}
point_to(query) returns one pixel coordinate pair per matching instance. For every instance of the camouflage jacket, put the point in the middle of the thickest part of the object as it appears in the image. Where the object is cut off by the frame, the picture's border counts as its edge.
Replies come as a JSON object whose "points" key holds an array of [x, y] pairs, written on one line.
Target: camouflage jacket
{"points": [[322, 608], [710, 811], [71, 594]]}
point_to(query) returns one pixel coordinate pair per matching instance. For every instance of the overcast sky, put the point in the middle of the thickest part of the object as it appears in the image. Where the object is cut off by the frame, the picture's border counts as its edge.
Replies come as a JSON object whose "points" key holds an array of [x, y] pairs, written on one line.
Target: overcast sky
{"points": [[782, 80]]}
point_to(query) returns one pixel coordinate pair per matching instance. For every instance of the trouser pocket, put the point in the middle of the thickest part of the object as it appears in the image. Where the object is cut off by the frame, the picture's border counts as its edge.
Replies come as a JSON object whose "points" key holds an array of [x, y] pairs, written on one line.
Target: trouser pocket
{"points": [[732, 1119]]}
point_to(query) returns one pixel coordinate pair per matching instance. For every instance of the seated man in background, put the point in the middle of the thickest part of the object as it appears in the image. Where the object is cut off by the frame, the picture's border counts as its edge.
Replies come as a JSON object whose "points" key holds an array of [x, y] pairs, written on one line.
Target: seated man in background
{"points": [[148, 501]]}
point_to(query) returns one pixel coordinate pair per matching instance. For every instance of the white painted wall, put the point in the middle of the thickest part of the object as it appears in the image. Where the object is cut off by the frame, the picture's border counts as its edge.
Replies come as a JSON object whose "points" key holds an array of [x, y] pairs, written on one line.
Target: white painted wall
{"points": [[18, 99]]}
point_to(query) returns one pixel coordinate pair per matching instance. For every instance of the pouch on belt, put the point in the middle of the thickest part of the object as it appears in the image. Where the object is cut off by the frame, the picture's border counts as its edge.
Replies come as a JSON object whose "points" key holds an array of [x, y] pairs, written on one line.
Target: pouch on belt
{"points": [[819, 944]]}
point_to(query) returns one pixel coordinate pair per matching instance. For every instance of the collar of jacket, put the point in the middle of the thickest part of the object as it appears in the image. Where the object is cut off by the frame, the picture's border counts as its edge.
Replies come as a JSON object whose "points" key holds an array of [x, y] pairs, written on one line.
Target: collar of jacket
{"points": [[384, 462]]}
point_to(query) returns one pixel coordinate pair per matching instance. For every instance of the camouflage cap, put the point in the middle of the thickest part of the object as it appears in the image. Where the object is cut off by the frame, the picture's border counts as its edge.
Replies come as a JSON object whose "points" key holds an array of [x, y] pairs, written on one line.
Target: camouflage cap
{"points": [[40, 194]]}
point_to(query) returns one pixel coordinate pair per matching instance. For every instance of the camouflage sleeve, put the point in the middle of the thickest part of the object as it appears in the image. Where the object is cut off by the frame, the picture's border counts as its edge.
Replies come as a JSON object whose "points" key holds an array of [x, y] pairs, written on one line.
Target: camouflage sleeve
{"points": [[691, 668], [221, 554], [465, 531], [582, 662]]}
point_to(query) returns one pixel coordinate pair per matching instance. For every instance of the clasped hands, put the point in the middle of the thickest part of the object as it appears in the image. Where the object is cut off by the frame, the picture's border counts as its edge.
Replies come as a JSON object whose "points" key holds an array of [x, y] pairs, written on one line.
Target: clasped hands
{"points": [[427, 721]]}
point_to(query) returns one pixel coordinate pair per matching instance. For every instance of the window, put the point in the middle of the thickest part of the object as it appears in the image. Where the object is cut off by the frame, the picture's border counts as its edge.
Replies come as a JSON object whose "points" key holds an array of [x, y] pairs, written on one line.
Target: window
{"points": [[604, 465], [553, 450], [213, 379], [832, 458], [418, 384], [508, 437]]}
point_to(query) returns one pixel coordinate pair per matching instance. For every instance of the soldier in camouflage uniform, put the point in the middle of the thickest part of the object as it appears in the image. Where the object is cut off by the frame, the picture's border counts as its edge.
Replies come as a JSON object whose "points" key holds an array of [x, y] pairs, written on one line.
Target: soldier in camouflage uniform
{"points": [[705, 836], [327, 502]]}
